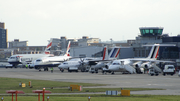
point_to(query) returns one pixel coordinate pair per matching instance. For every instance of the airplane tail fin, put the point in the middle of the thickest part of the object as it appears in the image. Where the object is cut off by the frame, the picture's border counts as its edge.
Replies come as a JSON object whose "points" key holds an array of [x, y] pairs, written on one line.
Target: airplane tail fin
{"points": [[105, 53], [155, 49], [48, 47], [154, 52], [68, 49], [114, 53]]}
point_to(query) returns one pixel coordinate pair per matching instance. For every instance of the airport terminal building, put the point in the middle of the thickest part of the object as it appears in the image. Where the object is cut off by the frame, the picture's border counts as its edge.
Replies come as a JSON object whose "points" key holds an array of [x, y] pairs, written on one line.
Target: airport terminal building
{"points": [[3, 36], [153, 35]]}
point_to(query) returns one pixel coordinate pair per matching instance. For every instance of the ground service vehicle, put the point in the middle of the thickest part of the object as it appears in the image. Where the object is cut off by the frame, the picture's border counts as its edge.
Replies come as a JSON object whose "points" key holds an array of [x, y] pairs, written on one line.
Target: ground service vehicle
{"points": [[92, 70], [169, 69], [9, 66], [152, 72]]}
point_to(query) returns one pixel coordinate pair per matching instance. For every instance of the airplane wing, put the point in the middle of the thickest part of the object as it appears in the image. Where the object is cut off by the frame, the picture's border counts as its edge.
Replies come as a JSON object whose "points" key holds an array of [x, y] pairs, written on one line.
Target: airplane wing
{"points": [[56, 61], [150, 60]]}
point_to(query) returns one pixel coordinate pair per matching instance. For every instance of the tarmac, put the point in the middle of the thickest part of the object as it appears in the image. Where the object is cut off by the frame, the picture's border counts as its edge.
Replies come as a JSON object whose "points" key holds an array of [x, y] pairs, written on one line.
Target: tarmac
{"points": [[170, 84]]}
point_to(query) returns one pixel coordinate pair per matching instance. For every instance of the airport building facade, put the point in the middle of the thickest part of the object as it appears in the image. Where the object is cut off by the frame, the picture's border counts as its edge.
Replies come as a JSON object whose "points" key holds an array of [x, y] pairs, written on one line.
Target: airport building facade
{"points": [[3, 36]]}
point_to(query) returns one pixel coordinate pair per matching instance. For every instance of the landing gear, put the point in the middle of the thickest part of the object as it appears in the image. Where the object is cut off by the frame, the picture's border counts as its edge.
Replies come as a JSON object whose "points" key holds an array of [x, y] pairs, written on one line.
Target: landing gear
{"points": [[15, 66], [96, 71], [82, 70], [103, 72], [62, 70], [69, 70], [112, 73], [46, 69]]}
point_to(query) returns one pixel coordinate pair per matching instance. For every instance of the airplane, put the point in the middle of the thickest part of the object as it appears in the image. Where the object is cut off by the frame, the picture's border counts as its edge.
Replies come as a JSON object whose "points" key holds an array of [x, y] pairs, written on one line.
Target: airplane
{"points": [[84, 63], [113, 55], [45, 62], [131, 65], [24, 59], [75, 64]]}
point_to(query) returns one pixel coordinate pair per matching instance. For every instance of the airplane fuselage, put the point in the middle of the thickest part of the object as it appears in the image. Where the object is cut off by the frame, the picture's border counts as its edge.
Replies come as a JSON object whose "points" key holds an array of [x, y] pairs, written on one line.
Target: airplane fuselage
{"points": [[50, 61], [24, 58]]}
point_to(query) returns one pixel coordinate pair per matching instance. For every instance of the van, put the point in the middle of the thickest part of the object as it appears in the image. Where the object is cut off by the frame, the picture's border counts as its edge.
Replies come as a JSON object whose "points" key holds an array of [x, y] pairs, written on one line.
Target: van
{"points": [[169, 70], [9, 66]]}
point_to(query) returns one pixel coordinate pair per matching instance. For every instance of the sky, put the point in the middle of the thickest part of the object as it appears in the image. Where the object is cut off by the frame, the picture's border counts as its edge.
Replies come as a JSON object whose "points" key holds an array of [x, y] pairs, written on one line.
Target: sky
{"points": [[36, 21]]}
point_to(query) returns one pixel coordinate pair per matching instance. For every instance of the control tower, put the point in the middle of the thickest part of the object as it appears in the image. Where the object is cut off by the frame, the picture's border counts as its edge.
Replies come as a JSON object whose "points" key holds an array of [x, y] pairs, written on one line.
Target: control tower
{"points": [[151, 31]]}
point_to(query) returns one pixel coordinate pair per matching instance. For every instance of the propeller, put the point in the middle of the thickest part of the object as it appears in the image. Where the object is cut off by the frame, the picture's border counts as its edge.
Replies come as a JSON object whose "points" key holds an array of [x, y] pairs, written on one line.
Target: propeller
{"points": [[82, 62]]}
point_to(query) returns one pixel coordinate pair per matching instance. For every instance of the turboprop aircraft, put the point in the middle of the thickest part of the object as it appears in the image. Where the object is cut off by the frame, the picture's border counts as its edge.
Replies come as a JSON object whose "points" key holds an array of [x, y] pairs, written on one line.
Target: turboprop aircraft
{"points": [[28, 58], [84, 64], [131, 64]]}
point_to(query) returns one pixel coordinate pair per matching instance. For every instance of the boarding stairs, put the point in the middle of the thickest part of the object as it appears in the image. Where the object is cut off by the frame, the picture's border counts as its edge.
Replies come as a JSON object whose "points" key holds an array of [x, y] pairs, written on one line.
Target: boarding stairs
{"points": [[130, 69], [156, 68]]}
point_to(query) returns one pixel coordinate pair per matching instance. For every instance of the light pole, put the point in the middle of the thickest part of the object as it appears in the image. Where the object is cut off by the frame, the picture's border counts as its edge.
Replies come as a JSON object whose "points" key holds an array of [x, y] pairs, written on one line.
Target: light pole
{"points": [[48, 98], [2, 99], [111, 41]]}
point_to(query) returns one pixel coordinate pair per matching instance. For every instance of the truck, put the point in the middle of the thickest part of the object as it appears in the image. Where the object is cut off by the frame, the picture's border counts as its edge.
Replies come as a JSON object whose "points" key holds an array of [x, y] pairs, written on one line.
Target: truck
{"points": [[93, 70], [152, 72], [9, 66], [73, 68], [169, 70]]}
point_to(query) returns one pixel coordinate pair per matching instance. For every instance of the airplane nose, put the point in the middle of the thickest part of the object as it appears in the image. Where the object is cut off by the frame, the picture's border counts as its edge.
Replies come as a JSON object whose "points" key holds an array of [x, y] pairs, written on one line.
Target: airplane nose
{"points": [[59, 65]]}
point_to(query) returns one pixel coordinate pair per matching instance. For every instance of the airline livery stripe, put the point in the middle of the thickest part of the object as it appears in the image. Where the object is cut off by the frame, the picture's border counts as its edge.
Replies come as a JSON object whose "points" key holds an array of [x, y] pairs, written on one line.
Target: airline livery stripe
{"points": [[117, 53], [153, 52], [104, 53], [49, 45], [47, 52], [114, 52], [69, 47], [157, 53]]}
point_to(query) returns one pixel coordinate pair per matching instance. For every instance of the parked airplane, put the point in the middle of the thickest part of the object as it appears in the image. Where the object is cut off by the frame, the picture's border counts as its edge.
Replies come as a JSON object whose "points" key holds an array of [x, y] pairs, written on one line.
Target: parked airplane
{"points": [[101, 64], [84, 64], [45, 62], [28, 58], [132, 64]]}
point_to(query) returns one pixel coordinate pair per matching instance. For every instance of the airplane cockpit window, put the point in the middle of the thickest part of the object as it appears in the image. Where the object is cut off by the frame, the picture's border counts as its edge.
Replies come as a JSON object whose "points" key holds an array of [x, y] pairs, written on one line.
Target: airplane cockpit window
{"points": [[170, 67], [65, 63], [38, 60], [115, 64], [89, 59], [12, 57]]}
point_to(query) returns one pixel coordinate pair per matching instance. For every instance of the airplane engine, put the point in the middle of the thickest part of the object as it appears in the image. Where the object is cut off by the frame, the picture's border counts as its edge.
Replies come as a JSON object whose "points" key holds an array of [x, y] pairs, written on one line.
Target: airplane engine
{"points": [[107, 66], [146, 65], [137, 64]]}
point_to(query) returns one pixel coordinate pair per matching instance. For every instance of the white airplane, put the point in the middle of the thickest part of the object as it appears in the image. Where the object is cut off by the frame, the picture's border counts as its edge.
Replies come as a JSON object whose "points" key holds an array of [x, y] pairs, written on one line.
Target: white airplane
{"points": [[84, 63], [113, 55], [131, 64], [75, 64], [45, 62], [29, 58]]}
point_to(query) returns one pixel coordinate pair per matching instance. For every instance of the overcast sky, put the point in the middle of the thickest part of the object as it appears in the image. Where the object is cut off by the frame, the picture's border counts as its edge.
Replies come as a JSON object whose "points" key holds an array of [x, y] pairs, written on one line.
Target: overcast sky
{"points": [[36, 21]]}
